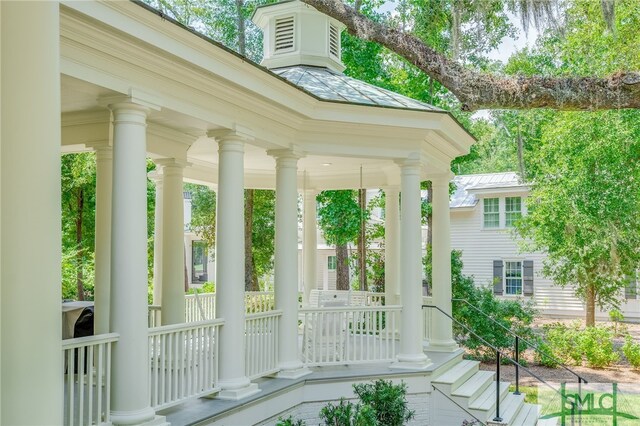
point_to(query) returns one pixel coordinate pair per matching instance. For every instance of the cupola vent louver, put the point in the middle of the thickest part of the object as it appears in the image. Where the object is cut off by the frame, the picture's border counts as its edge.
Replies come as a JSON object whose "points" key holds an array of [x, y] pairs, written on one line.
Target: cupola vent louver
{"points": [[334, 41], [284, 34]]}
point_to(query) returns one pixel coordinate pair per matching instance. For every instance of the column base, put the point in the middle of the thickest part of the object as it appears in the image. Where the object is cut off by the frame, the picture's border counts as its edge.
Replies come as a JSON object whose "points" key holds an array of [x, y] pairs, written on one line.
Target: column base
{"points": [[239, 393], [442, 346], [411, 362], [293, 373], [146, 417]]}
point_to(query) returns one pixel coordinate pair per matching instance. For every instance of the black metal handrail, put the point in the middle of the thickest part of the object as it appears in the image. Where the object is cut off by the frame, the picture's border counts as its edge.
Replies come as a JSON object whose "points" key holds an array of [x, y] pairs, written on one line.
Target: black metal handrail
{"points": [[499, 355], [520, 338]]}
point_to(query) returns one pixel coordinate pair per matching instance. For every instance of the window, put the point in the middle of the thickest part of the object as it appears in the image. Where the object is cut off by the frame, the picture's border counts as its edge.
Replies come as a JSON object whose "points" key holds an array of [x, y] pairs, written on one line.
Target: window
{"points": [[199, 257], [331, 263], [513, 277], [512, 210], [491, 212]]}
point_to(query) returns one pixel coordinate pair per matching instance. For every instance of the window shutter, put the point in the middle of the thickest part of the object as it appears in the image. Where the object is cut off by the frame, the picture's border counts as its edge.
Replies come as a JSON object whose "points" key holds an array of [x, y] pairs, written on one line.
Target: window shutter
{"points": [[527, 277], [497, 276], [631, 289]]}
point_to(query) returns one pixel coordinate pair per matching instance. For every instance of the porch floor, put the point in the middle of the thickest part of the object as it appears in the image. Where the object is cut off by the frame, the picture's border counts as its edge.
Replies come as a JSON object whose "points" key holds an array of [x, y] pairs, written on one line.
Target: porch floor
{"points": [[196, 411]]}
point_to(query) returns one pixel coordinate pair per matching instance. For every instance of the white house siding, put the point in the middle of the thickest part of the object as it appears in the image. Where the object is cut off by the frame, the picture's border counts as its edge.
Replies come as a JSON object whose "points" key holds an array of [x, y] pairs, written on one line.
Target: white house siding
{"points": [[480, 247]]}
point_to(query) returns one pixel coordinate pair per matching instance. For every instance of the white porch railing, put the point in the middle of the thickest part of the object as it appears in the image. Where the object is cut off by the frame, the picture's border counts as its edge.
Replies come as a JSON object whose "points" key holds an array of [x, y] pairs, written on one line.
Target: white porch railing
{"points": [[375, 299], [349, 335], [154, 316], [184, 362], [204, 304], [259, 301], [261, 343], [87, 381], [427, 315]]}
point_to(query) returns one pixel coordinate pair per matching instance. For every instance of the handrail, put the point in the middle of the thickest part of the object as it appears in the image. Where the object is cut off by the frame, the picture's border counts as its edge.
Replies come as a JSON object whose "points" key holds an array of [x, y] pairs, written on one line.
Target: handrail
{"points": [[499, 354], [351, 308], [527, 342], [266, 314], [79, 342], [184, 326]]}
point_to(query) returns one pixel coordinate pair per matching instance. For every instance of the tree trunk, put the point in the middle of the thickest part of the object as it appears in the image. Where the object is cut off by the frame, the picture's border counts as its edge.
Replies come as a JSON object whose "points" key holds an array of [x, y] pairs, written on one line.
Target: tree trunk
{"points": [[521, 155], [79, 248], [342, 267], [591, 305], [362, 247], [186, 274], [242, 38], [480, 90], [250, 284]]}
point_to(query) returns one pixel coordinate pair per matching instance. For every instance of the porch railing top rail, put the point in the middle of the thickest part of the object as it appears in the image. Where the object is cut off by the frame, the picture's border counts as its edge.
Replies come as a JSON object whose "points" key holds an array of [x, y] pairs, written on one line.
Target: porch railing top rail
{"points": [[184, 326], [266, 314], [522, 339], [79, 342], [352, 308]]}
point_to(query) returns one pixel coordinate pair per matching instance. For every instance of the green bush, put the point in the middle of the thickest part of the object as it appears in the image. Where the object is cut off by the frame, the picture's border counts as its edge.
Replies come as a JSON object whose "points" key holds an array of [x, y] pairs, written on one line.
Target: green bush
{"points": [[346, 413], [596, 343], [564, 342], [388, 401], [631, 351], [289, 421], [515, 315]]}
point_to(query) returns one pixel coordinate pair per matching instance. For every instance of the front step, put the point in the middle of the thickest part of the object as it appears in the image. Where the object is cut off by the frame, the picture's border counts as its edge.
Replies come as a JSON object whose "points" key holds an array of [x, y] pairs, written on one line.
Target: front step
{"points": [[457, 375], [528, 415], [473, 387], [509, 408], [485, 404]]}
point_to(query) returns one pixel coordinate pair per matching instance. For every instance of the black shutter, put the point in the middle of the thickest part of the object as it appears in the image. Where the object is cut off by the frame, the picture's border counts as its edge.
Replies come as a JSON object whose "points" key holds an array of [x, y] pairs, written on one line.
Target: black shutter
{"points": [[527, 277], [497, 276]]}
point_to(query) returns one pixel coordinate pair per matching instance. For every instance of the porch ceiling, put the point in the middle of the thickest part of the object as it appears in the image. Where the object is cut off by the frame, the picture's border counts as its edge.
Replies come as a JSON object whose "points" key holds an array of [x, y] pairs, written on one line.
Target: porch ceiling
{"points": [[121, 49]]}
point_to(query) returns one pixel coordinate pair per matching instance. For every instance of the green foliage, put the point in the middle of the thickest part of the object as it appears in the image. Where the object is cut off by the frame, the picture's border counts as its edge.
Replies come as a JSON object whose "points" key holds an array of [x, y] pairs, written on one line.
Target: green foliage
{"points": [[208, 287], [203, 212], [339, 216], [515, 315], [346, 413], [631, 351], [290, 421], [573, 345], [387, 400], [263, 231]]}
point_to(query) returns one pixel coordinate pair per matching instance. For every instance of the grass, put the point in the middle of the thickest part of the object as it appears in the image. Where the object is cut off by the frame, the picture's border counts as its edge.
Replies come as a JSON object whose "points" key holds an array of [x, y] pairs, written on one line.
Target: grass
{"points": [[628, 397]]}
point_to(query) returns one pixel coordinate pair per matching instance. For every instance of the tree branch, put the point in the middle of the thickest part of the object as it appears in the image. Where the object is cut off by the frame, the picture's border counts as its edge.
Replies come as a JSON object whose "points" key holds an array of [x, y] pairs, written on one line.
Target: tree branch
{"points": [[477, 90]]}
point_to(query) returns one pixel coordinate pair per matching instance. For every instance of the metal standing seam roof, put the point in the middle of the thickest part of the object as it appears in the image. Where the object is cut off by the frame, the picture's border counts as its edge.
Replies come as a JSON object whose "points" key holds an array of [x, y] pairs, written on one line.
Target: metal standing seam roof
{"points": [[462, 198], [332, 86]]}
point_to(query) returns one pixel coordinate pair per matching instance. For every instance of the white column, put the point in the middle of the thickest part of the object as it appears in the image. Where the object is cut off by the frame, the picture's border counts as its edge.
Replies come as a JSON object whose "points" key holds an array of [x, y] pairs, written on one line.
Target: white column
{"points": [[172, 243], [286, 263], [391, 245], [130, 402], [104, 177], [411, 355], [230, 267], [310, 241], [156, 176], [442, 332], [31, 363]]}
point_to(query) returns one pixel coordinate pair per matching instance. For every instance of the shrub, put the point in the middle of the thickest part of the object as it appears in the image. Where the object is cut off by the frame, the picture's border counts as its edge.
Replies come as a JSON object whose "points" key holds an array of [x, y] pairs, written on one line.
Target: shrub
{"points": [[387, 400], [571, 345], [596, 343], [631, 351], [616, 318], [289, 421], [563, 342], [347, 413]]}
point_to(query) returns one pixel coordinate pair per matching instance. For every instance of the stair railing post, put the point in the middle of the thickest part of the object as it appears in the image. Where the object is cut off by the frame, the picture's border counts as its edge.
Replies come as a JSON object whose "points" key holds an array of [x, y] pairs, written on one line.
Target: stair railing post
{"points": [[517, 392], [497, 418]]}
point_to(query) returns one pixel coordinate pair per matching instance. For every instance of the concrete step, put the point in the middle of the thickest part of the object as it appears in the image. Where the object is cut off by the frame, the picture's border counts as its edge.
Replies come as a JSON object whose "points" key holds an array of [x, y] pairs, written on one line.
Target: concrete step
{"points": [[528, 415], [547, 422], [456, 376], [510, 406], [473, 387], [485, 404]]}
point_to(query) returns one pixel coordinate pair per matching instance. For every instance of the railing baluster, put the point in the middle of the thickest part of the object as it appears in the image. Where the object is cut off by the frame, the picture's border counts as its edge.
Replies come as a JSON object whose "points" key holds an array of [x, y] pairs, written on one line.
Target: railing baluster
{"points": [[497, 418], [517, 392]]}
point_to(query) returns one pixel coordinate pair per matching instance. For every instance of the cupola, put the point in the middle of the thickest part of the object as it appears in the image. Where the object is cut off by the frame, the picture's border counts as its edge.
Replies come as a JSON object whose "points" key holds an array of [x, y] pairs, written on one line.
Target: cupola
{"points": [[297, 34]]}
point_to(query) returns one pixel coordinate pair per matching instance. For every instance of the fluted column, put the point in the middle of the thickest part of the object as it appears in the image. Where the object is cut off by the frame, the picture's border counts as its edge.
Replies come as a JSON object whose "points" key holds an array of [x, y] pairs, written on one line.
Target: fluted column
{"points": [[156, 176], [173, 310], [102, 293], [442, 332], [31, 358], [130, 403], [310, 241], [230, 266], [391, 245], [286, 263], [411, 355]]}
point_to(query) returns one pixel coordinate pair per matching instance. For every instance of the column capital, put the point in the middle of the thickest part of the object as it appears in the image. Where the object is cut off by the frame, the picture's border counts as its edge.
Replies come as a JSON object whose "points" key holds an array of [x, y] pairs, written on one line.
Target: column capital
{"points": [[286, 153], [102, 146], [135, 99], [238, 133], [167, 163], [441, 178], [409, 166]]}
